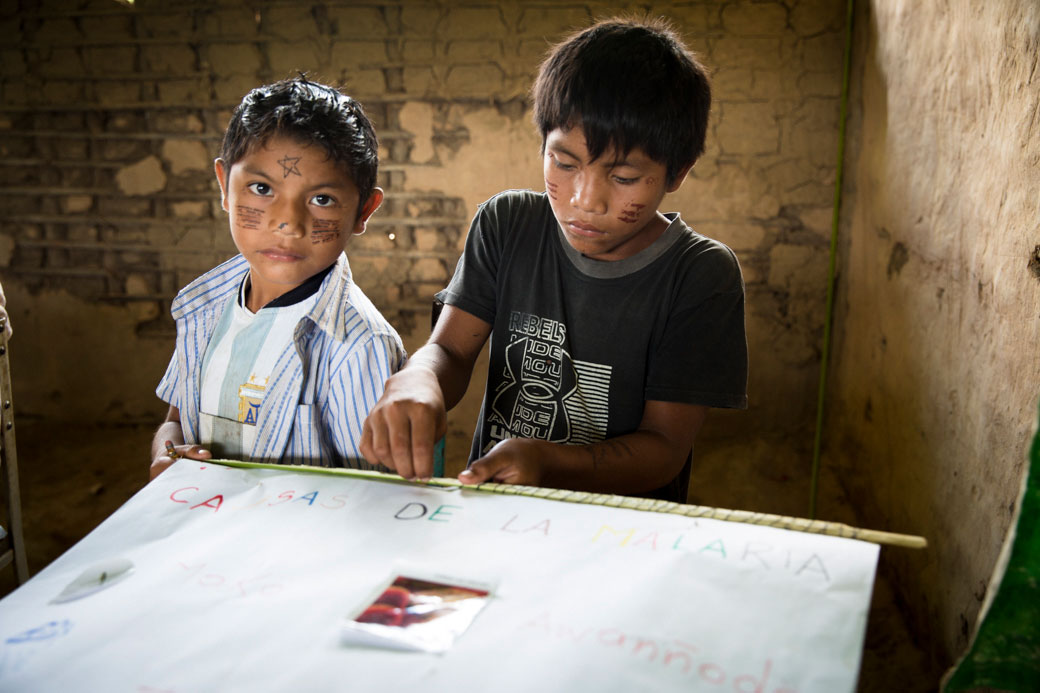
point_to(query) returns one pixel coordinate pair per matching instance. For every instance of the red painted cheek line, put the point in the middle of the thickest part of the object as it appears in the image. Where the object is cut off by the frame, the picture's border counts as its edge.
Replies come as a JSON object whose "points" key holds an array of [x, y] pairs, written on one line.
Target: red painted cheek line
{"points": [[628, 217], [551, 188], [248, 217]]}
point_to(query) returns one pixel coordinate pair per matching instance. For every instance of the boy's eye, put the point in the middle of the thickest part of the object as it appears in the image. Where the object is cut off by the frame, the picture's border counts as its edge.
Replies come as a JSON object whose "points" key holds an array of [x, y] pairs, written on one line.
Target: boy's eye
{"points": [[323, 200], [559, 164], [625, 181], [262, 189]]}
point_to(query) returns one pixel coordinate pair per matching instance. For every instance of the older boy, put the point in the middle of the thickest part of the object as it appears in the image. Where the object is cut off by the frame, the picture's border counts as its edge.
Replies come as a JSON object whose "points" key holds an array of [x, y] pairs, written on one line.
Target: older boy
{"points": [[614, 327], [279, 354]]}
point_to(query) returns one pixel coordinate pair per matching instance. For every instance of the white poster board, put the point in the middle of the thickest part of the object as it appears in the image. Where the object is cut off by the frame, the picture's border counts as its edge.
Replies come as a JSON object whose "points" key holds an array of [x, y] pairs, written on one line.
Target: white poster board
{"points": [[222, 579]]}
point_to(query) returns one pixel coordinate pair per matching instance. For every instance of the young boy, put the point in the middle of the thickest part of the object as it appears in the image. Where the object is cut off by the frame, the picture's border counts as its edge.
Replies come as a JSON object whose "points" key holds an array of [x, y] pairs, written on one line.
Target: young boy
{"points": [[279, 354], [613, 327]]}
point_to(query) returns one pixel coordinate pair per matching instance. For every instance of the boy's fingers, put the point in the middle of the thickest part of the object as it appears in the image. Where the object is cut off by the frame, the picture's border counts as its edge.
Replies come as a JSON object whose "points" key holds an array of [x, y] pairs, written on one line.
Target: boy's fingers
{"points": [[423, 434], [374, 442], [365, 444], [483, 470], [159, 465], [400, 439]]}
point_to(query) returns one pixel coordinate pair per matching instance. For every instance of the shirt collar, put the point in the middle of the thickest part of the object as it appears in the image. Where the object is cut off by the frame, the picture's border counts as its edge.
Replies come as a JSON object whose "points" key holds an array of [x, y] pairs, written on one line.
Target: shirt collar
{"points": [[305, 290]]}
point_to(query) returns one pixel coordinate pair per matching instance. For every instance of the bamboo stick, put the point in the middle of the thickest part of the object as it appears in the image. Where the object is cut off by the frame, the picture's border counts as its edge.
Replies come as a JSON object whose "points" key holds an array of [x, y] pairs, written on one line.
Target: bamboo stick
{"points": [[797, 524]]}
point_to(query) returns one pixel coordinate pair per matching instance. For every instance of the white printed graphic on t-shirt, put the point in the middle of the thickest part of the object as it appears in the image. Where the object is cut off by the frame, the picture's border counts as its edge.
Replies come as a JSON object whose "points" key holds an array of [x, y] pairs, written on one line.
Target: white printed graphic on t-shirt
{"points": [[544, 393]]}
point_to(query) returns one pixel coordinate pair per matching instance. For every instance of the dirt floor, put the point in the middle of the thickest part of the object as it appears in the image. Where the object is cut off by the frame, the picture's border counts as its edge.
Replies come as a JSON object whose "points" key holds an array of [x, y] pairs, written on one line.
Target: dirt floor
{"points": [[73, 478]]}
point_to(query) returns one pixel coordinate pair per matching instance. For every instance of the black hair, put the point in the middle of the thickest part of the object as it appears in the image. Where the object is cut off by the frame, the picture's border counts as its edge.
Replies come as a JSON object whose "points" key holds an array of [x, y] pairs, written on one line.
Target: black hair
{"points": [[310, 113], [627, 83]]}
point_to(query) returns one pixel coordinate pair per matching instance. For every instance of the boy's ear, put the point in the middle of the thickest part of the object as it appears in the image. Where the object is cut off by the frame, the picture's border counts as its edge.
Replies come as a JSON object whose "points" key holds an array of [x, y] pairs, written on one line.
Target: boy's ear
{"points": [[218, 168], [679, 178], [367, 209]]}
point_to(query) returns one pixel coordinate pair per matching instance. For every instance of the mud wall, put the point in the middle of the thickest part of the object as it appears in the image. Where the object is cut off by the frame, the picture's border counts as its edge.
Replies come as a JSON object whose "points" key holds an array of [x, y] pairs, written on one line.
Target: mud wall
{"points": [[937, 358]]}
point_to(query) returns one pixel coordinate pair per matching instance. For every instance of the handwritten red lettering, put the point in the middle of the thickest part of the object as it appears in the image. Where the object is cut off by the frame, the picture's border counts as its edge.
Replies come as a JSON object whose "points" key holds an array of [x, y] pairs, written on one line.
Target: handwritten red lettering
{"points": [[186, 488], [285, 496], [669, 654], [712, 673], [542, 526], [340, 502], [209, 503]]}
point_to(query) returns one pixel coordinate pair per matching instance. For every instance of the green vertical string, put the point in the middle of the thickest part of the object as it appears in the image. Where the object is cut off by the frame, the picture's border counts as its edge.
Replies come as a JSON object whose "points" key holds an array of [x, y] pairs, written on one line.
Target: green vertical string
{"points": [[835, 216]]}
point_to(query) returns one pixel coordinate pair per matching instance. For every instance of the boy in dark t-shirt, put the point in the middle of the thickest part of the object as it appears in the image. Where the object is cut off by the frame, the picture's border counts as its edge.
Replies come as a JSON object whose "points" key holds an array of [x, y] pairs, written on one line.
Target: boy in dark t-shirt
{"points": [[613, 327]]}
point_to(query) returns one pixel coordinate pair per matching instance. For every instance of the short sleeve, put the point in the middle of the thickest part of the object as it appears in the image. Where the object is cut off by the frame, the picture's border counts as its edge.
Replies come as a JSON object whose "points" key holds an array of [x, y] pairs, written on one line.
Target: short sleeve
{"points": [[474, 286], [702, 356], [167, 389]]}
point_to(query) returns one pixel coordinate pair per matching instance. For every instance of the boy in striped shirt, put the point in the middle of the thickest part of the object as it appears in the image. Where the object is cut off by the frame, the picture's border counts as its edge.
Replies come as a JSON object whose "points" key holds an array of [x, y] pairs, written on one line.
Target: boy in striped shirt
{"points": [[279, 354]]}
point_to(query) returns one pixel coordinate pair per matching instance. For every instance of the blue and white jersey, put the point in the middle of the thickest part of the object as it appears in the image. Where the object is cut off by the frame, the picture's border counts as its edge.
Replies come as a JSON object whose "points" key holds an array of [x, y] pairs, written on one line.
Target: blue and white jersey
{"points": [[239, 361], [322, 384]]}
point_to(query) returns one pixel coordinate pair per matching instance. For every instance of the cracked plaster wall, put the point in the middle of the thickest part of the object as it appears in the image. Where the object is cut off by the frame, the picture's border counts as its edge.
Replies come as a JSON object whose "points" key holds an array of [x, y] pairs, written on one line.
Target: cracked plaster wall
{"points": [[936, 367]]}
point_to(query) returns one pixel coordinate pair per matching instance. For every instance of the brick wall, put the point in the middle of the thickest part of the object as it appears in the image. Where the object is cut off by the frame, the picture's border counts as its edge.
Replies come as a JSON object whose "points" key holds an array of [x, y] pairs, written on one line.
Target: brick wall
{"points": [[112, 114]]}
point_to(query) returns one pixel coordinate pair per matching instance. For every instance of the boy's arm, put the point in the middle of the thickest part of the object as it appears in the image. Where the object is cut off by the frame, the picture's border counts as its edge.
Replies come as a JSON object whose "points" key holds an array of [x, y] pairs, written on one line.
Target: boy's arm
{"points": [[402, 429], [170, 430], [640, 461]]}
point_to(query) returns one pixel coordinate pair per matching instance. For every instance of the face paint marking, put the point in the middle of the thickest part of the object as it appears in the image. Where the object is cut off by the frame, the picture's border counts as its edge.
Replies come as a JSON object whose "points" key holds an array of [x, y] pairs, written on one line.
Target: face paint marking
{"points": [[324, 231], [551, 188], [289, 165], [248, 217], [630, 214]]}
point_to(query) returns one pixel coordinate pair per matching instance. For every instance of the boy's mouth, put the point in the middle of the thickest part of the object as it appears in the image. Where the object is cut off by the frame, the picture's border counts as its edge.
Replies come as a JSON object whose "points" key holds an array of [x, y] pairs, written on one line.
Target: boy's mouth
{"points": [[280, 255], [581, 229]]}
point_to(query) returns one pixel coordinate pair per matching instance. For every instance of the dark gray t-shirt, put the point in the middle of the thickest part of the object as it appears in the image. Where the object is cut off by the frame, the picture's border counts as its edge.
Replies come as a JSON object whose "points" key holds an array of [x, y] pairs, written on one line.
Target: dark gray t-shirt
{"points": [[578, 345]]}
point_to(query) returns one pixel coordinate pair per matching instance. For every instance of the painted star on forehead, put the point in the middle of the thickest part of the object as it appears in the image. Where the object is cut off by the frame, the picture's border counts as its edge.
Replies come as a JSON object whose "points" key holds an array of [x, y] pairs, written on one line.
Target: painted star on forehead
{"points": [[289, 165]]}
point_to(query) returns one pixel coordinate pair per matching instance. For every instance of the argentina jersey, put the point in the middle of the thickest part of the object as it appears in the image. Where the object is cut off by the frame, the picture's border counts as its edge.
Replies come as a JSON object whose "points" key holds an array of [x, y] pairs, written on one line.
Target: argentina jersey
{"points": [[241, 356]]}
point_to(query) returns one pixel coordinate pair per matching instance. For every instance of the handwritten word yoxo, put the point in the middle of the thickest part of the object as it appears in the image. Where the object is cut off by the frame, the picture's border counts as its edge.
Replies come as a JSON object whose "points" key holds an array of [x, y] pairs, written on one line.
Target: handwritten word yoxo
{"points": [[260, 585]]}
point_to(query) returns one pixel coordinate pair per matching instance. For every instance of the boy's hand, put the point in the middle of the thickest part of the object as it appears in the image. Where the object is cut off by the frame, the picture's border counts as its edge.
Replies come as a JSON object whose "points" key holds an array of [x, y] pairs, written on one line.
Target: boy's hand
{"points": [[402, 429], [3, 314], [164, 460], [512, 461]]}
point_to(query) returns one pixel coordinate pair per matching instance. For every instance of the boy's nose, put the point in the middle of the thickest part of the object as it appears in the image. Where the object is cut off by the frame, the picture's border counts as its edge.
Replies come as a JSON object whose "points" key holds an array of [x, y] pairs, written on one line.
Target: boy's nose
{"points": [[289, 220], [291, 228], [588, 195]]}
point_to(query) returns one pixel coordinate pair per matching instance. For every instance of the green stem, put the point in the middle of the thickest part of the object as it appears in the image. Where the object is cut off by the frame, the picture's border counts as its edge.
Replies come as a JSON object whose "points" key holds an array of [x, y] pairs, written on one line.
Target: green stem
{"points": [[835, 217]]}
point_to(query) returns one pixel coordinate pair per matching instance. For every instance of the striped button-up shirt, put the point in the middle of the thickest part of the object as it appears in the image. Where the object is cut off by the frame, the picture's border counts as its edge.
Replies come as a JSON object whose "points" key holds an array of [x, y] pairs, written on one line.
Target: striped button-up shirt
{"points": [[323, 384]]}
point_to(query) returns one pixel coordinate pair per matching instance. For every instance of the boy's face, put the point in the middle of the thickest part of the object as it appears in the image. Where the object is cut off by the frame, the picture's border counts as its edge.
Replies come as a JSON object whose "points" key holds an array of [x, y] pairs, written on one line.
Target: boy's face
{"points": [[292, 212], [606, 207]]}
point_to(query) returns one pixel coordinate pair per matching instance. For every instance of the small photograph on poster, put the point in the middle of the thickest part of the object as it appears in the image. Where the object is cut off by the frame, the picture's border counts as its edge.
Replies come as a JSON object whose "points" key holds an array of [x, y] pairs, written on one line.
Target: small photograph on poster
{"points": [[423, 613]]}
